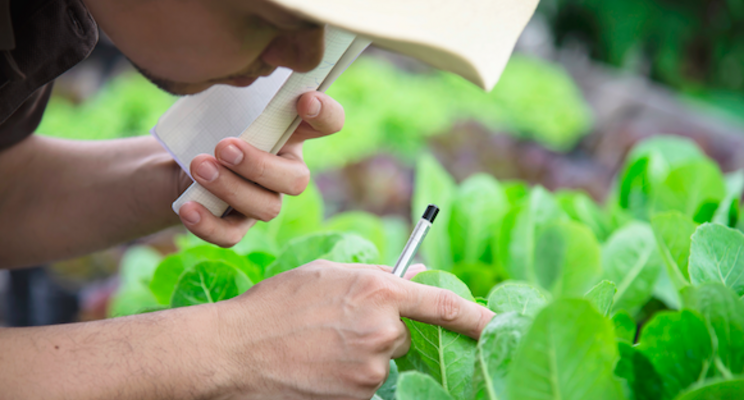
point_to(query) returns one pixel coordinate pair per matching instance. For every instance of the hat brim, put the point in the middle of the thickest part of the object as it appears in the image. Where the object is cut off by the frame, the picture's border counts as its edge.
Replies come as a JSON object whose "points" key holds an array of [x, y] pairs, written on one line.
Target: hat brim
{"points": [[472, 38]]}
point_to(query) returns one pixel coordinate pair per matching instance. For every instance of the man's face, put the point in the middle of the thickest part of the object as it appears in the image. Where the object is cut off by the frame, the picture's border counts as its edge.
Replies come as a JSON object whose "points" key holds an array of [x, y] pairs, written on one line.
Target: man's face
{"points": [[186, 46]]}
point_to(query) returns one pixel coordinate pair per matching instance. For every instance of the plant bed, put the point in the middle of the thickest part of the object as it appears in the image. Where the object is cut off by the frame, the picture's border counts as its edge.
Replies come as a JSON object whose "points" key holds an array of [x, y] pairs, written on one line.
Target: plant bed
{"points": [[639, 299]]}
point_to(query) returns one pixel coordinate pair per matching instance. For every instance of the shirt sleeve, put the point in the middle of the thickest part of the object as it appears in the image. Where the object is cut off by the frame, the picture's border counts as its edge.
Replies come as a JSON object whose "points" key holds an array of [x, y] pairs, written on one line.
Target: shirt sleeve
{"points": [[26, 118]]}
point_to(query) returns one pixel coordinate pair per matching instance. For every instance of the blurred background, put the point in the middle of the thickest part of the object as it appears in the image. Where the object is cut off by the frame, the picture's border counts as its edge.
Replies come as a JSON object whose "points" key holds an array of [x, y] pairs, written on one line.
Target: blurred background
{"points": [[589, 78]]}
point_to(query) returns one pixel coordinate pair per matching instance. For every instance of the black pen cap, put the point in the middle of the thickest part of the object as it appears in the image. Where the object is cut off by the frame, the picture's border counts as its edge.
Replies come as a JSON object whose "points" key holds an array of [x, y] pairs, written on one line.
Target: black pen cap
{"points": [[431, 213]]}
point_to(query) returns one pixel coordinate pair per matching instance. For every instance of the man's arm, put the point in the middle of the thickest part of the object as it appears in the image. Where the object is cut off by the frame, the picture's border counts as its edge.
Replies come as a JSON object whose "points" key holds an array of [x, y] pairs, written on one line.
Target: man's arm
{"points": [[63, 198], [322, 331], [163, 355]]}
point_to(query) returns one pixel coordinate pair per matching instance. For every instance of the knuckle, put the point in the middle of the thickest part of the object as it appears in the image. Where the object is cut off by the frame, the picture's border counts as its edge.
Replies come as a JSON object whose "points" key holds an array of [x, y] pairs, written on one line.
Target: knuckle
{"points": [[271, 209], [320, 263], [214, 234], [328, 263], [372, 375], [387, 336], [206, 232], [257, 167], [226, 241], [311, 266], [448, 305], [378, 373], [379, 289], [221, 242], [232, 239], [300, 182], [317, 267]]}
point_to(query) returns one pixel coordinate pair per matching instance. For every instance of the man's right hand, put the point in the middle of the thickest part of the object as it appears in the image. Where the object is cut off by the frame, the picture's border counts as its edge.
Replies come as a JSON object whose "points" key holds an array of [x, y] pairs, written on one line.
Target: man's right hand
{"points": [[324, 330], [328, 330]]}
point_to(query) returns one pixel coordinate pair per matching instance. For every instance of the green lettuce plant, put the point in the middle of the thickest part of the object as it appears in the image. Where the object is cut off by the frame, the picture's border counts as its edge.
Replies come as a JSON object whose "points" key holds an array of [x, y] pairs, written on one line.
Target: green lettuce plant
{"points": [[641, 299], [571, 349]]}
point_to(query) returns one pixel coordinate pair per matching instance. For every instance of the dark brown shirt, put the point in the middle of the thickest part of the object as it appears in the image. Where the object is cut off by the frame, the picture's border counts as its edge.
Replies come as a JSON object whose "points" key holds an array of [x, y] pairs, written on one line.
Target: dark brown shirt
{"points": [[39, 40]]}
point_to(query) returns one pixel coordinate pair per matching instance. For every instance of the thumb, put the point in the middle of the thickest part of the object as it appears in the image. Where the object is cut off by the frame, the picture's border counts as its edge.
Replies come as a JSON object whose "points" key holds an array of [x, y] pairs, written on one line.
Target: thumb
{"points": [[321, 116]]}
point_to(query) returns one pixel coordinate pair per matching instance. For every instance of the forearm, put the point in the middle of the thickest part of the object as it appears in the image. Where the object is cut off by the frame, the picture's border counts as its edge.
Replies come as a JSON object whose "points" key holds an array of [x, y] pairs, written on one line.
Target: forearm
{"points": [[163, 355], [64, 198]]}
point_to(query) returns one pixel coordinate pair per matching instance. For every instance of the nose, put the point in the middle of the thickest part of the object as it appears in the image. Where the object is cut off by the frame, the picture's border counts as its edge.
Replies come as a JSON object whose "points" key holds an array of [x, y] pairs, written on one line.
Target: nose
{"points": [[300, 50]]}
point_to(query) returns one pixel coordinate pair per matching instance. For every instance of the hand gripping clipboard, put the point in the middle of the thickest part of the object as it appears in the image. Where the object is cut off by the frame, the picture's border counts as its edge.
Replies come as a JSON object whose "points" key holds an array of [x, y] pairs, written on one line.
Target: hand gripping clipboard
{"points": [[195, 124]]}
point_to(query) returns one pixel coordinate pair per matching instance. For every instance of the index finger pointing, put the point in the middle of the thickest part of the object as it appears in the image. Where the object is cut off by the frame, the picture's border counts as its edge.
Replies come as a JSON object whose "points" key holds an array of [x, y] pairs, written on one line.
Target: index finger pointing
{"points": [[442, 307]]}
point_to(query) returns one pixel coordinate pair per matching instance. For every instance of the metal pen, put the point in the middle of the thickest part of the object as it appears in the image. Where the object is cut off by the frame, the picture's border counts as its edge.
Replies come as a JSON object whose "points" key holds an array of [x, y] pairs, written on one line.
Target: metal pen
{"points": [[417, 236]]}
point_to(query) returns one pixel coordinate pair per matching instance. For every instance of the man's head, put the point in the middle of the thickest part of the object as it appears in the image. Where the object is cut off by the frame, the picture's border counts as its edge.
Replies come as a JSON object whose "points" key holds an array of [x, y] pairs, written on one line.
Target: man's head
{"points": [[186, 46]]}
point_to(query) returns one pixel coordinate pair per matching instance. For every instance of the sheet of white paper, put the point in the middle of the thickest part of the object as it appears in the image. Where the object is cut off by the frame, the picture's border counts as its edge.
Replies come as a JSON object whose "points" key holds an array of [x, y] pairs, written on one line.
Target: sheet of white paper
{"points": [[195, 124], [271, 129]]}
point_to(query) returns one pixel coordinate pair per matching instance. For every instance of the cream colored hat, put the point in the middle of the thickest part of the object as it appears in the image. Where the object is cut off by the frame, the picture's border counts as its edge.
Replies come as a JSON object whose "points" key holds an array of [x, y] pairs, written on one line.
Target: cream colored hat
{"points": [[472, 38]]}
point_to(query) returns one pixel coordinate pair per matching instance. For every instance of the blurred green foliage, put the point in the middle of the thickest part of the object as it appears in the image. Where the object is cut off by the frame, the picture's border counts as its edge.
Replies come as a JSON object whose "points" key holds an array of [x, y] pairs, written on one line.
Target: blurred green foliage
{"points": [[386, 109], [393, 110], [128, 105], [695, 46]]}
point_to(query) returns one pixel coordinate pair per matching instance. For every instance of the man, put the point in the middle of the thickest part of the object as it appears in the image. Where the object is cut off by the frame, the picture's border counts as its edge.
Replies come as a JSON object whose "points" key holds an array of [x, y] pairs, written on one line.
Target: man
{"points": [[323, 330]]}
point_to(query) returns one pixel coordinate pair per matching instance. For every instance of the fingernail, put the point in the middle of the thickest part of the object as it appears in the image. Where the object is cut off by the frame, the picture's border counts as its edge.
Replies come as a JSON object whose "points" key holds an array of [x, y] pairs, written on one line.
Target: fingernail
{"points": [[231, 154], [314, 108], [190, 216], [207, 171]]}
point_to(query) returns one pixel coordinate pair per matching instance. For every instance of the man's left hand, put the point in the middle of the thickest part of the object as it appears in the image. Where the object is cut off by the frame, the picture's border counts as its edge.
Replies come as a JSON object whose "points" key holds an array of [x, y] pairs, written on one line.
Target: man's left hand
{"points": [[252, 181]]}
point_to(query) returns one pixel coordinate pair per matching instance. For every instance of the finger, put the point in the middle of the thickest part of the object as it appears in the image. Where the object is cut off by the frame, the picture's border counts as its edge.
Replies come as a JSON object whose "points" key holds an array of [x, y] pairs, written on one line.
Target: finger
{"points": [[412, 271], [403, 344], [442, 307], [224, 232], [315, 124], [292, 151], [246, 197], [321, 115], [286, 174]]}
